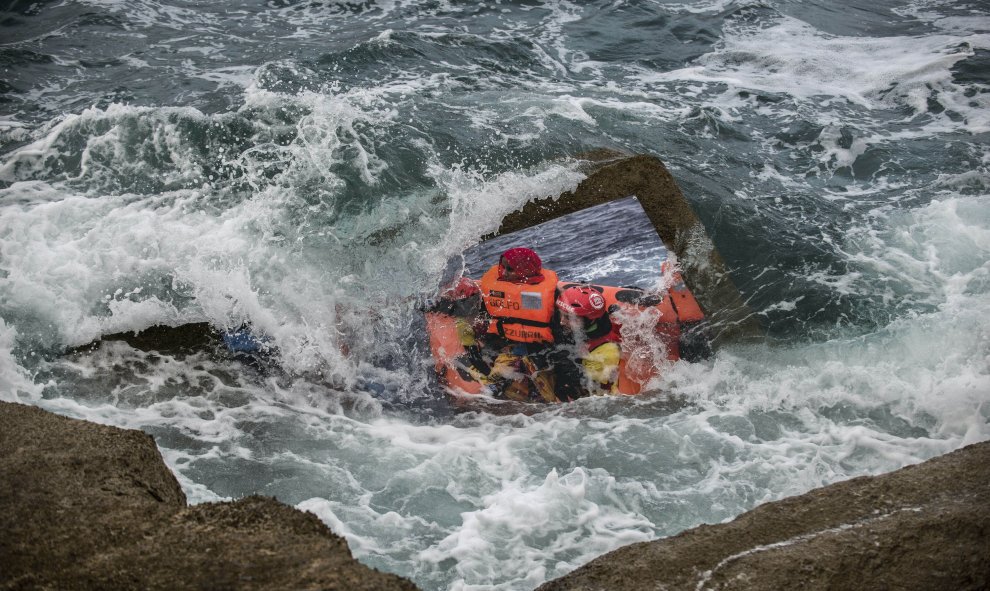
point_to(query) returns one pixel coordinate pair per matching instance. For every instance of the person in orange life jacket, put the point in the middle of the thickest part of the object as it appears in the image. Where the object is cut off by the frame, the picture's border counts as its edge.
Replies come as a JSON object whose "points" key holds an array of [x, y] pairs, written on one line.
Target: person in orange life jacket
{"points": [[519, 296], [462, 301], [586, 323]]}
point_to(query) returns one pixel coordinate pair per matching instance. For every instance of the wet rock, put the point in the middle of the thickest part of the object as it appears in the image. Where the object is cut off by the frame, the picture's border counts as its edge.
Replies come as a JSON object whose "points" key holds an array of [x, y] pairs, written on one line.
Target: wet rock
{"points": [[87, 506], [185, 339], [926, 526]]}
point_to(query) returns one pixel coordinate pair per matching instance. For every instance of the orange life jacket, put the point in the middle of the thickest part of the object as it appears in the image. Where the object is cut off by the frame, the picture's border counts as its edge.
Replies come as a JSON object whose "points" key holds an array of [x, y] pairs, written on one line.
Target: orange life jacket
{"points": [[520, 312]]}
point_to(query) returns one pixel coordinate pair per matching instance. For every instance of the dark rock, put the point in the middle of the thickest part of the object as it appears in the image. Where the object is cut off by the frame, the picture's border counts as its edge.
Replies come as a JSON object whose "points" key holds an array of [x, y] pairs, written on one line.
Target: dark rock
{"points": [[169, 340], [926, 526], [87, 506]]}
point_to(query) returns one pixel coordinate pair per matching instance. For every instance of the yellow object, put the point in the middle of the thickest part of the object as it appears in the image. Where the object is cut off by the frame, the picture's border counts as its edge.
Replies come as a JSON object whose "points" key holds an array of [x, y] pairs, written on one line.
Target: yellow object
{"points": [[602, 364], [518, 391], [474, 373], [464, 332], [543, 379], [506, 366], [545, 383], [523, 377]]}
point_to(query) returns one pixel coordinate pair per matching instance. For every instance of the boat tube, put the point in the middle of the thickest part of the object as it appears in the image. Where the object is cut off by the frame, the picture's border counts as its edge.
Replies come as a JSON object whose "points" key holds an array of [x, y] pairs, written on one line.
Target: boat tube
{"points": [[674, 329]]}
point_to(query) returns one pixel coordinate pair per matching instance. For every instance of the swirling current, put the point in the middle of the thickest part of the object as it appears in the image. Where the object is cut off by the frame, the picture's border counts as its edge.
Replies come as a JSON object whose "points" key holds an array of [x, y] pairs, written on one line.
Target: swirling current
{"points": [[309, 166]]}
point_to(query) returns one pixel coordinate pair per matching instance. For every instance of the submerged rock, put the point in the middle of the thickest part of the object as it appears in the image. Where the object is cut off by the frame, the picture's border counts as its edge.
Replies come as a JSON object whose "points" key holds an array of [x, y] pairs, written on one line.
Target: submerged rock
{"points": [[925, 526], [87, 506]]}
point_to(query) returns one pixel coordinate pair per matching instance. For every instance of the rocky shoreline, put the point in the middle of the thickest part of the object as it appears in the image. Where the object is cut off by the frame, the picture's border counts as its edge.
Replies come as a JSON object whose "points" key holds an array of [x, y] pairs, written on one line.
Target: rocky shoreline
{"points": [[88, 506], [924, 527]]}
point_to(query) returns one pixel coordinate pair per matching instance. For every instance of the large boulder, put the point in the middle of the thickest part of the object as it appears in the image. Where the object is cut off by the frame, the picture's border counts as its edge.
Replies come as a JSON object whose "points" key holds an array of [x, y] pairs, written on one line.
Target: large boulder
{"points": [[87, 506], [926, 526]]}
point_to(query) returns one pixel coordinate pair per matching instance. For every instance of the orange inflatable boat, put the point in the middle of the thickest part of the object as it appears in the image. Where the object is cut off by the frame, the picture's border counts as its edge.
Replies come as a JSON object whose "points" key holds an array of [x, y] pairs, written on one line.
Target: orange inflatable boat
{"points": [[668, 326]]}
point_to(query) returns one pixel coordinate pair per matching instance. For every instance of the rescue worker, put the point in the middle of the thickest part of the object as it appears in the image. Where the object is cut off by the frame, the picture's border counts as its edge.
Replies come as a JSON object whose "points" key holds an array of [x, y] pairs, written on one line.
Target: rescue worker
{"points": [[519, 295], [462, 301], [588, 325]]}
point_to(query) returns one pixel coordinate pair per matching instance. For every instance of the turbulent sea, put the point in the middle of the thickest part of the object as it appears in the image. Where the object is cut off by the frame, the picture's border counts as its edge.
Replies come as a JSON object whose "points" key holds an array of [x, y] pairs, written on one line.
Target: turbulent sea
{"points": [[308, 167]]}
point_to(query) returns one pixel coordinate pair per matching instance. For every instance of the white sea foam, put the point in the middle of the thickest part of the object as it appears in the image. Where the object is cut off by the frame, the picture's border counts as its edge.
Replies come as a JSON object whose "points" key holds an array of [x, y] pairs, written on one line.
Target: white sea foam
{"points": [[966, 18], [16, 384], [70, 260], [793, 58], [115, 263], [537, 532], [478, 201], [709, 6], [929, 368], [79, 253], [150, 13], [542, 495], [522, 520], [106, 134], [806, 63]]}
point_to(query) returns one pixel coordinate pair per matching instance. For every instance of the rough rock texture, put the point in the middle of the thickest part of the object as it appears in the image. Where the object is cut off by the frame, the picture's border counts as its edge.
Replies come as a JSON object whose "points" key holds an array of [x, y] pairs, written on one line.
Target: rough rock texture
{"points": [[611, 176], [87, 506], [926, 526]]}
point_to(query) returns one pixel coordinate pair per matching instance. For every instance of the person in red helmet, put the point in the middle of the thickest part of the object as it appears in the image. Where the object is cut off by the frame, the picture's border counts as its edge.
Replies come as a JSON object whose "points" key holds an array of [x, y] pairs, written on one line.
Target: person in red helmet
{"points": [[527, 341], [519, 294], [520, 265], [586, 323], [461, 300], [519, 297]]}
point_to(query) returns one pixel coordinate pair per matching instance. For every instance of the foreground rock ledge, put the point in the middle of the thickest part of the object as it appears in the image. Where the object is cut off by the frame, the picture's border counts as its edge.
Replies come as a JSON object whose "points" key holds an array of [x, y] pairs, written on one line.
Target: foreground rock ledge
{"points": [[87, 506], [926, 526]]}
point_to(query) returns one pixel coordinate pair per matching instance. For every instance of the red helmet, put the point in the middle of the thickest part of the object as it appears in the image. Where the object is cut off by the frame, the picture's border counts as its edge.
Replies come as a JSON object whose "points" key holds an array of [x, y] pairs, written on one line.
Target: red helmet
{"points": [[520, 265], [582, 301], [463, 288]]}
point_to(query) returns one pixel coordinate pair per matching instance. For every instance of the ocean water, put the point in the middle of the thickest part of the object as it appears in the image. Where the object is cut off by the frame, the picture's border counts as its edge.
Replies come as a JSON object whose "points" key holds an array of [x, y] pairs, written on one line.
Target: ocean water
{"points": [[309, 167], [612, 243]]}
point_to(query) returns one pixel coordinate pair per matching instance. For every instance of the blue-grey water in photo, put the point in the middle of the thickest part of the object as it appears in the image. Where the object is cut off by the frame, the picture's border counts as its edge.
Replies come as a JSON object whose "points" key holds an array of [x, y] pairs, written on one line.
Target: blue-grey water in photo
{"points": [[309, 167]]}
